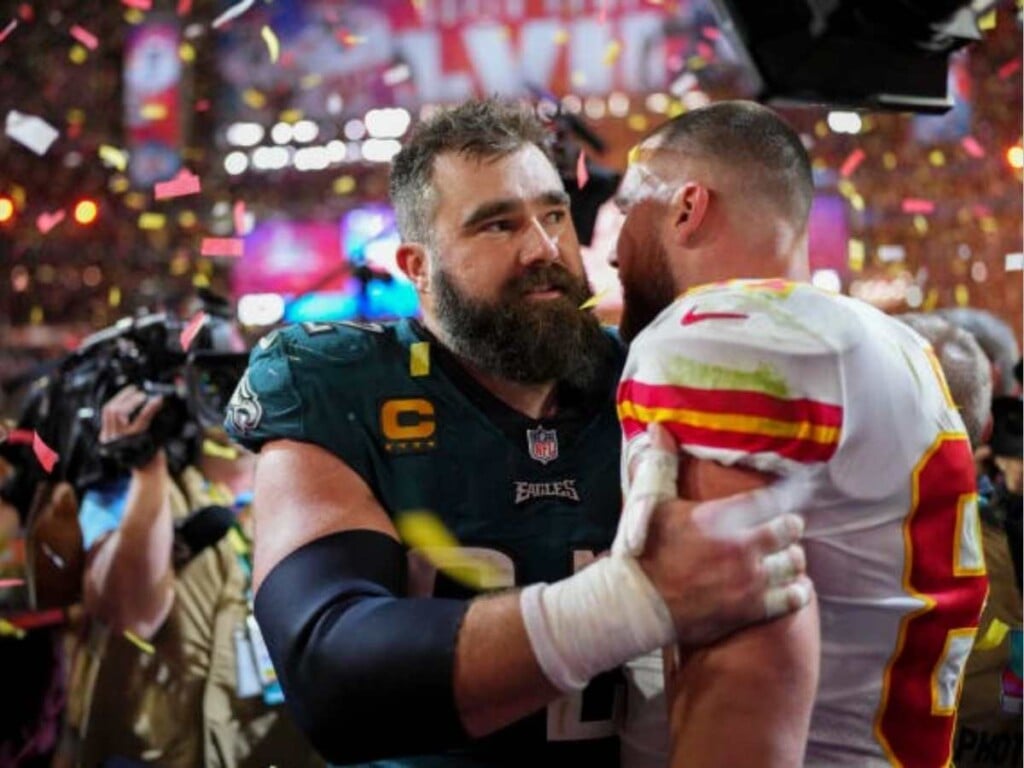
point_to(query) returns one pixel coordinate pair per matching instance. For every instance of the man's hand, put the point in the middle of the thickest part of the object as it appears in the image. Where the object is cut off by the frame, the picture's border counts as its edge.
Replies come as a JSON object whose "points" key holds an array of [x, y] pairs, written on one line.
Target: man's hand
{"points": [[720, 565], [128, 413]]}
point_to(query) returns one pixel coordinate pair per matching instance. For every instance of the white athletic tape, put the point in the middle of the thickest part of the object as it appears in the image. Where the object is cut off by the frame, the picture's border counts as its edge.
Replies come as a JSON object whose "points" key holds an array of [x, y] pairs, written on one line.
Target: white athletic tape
{"points": [[595, 620], [782, 600], [780, 567], [654, 480]]}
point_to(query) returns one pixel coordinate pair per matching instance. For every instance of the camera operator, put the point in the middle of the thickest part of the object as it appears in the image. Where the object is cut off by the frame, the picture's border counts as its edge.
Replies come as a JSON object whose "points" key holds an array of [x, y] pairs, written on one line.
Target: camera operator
{"points": [[170, 673]]}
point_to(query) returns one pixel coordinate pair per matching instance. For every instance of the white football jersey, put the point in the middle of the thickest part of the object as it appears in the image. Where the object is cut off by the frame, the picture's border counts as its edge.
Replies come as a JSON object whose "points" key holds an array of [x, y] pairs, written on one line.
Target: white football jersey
{"points": [[850, 408]]}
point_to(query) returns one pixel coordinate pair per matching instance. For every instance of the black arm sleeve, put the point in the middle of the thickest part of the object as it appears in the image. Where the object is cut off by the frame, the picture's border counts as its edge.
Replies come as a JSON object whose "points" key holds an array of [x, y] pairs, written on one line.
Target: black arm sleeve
{"points": [[366, 674]]}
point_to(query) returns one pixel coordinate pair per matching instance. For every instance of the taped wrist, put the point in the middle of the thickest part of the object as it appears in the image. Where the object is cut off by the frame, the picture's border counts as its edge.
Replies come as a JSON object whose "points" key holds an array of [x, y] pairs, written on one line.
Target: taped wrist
{"points": [[593, 621], [366, 674]]}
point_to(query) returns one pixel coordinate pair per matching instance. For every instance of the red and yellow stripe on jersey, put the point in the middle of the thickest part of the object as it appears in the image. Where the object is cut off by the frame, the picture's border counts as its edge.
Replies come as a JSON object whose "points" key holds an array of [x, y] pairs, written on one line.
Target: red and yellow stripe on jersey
{"points": [[802, 430]]}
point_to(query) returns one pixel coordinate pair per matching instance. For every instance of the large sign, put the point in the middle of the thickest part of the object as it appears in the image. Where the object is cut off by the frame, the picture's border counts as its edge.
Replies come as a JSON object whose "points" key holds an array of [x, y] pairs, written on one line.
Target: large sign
{"points": [[373, 52]]}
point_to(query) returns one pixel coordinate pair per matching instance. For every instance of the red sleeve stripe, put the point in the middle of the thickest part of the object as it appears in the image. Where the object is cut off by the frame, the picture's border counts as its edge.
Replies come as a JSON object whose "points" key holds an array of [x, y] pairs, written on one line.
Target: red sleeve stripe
{"points": [[730, 401]]}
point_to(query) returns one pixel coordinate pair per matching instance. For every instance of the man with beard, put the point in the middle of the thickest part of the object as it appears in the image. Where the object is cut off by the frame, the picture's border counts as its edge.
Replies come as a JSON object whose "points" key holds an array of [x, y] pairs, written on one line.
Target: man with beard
{"points": [[495, 414], [767, 378]]}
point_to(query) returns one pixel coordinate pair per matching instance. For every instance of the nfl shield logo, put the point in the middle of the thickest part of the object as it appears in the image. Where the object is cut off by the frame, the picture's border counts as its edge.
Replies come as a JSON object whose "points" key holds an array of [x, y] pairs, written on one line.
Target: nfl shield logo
{"points": [[543, 444]]}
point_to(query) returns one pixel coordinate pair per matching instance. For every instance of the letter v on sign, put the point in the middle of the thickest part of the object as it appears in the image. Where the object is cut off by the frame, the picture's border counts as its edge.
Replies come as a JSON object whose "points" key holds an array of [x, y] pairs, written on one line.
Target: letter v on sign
{"points": [[693, 316]]}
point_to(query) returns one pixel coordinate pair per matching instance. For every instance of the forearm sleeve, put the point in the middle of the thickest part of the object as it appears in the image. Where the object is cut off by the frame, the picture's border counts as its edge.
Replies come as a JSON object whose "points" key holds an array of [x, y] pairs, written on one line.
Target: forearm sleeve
{"points": [[366, 674]]}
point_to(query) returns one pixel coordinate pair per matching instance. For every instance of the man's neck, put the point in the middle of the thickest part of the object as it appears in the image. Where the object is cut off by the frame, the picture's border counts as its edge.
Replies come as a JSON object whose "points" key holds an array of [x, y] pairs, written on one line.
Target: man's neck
{"points": [[537, 401]]}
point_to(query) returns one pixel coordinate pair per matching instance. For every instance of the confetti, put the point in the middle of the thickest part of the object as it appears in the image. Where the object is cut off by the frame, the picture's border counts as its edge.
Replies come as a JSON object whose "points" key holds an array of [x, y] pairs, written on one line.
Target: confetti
{"points": [[85, 37], [239, 217], [426, 533], [972, 147], [184, 7], [47, 221], [20, 437], [11, 583], [140, 5], [56, 559], [8, 29], [602, 17], [1008, 68], [611, 53], [45, 454], [185, 183], [30, 131], [114, 157], [273, 46], [1014, 262], [987, 22], [396, 74], [994, 635], [850, 164], [711, 33], [210, 448], [10, 630], [152, 221], [139, 643], [222, 246], [153, 111], [582, 174], [594, 300], [561, 37], [189, 332], [233, 12], [917, 205], [683, 84]]}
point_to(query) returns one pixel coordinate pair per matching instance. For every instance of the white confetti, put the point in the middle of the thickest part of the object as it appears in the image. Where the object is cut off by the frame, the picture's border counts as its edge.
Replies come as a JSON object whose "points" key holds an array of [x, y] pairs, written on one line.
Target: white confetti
{"points": [[233, 12], [1014, 262], [31, 131]]}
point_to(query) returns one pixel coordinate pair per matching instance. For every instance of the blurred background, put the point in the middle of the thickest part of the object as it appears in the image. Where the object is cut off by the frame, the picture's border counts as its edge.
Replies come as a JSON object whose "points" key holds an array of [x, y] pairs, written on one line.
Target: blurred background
{"points": [[280, 118]]}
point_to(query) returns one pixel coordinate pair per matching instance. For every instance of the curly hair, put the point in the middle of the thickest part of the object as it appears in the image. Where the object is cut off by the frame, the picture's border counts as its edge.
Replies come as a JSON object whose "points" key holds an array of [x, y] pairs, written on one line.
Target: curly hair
{"points": [[478, 129]]}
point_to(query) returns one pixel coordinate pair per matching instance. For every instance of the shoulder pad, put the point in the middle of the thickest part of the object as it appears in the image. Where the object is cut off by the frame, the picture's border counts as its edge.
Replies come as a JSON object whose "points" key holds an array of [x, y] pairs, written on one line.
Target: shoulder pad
{"points": [[337, 342]]}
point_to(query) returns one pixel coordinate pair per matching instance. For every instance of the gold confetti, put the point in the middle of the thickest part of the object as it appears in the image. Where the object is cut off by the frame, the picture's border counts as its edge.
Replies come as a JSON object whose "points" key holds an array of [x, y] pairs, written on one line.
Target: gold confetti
{"points": [[114, 296], [114, 157], [78, 54], [637, 122], [186, 53], [151, 220], [855, 254], [153, 111], [921, 224], [937, 158], [254, 98], [424, 531], [634, 154], [594, 300], [987, 22], [10, 630], [961, 295], [187, 219], [211, 448], [561, 36], [889, 161], [291, 116], [857, 202], [135, 200], [931, 300], [119, 184], [419, 359], [201, 281], [273, 46], [134, 16], [343, 185], [994, 635], [675, 108], [139, 643], [35, 316], [821, 129], [611, 53]]}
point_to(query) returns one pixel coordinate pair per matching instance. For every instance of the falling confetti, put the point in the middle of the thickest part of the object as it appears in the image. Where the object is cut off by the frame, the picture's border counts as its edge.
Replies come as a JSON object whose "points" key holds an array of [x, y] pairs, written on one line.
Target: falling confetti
{"points": [[46, 456], [8, 29], [85, 37], [582, 174], [185, 183], [47, 221], [233, 12], [152, 221], [972, 147], [30, 131], [189, 332], [273, 46], [184, 7], [239, 217], [611, 53], [11, 583], [850, 164], [10, 630], [139, 5], [139, 643], [114, 157], [222, 246], [426, 532], [1009, 68], [917, 205], [594, 300], [994, 635]]}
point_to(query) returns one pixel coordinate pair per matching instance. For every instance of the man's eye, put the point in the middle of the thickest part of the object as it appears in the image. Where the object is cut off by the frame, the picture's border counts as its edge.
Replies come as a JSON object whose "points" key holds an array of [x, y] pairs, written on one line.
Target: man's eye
{"points": [[556, 217], [498, 225]]}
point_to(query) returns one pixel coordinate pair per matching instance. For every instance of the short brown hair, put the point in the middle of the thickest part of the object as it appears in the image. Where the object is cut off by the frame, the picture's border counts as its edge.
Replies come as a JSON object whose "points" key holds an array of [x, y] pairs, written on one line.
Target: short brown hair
{"points": [[479, 129]]}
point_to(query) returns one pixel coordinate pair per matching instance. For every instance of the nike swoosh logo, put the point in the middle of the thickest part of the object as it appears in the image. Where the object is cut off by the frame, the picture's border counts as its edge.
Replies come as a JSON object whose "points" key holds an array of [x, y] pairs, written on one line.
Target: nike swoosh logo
{"points": [[693, 316]]}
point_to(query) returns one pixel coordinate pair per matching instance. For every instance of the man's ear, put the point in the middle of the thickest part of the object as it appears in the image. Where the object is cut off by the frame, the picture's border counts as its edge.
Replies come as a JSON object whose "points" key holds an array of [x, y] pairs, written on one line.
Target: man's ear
{"points": [[688, 209], [413, 260]]}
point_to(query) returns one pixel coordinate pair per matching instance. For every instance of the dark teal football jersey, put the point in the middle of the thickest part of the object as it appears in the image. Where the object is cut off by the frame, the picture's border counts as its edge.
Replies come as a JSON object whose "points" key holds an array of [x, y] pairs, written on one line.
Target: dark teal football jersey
{"points": [[539, 498]]}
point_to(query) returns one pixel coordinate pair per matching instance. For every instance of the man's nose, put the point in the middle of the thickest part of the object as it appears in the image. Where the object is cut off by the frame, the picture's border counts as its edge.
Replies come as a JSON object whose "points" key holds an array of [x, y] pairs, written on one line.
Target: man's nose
{"points": [[539, 245]]}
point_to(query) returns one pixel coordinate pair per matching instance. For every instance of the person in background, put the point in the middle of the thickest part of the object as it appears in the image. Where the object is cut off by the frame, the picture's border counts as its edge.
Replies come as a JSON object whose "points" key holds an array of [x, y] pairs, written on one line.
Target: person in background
{"points": [[769, 378], [496, 414], [171, 673]]}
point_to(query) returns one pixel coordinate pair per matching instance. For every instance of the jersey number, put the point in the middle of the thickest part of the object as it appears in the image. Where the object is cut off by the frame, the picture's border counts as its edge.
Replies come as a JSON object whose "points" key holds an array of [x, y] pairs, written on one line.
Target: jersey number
{"points": [[944, 567]]}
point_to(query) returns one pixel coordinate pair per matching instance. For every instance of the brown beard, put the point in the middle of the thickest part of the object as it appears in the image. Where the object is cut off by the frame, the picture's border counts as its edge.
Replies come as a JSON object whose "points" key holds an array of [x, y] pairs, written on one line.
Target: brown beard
{"points": [[524, 341]]}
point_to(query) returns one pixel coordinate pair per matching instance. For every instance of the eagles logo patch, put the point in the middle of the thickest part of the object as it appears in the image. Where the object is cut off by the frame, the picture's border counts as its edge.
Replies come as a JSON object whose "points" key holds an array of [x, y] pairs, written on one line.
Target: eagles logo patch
{"points": [[244, 412]]}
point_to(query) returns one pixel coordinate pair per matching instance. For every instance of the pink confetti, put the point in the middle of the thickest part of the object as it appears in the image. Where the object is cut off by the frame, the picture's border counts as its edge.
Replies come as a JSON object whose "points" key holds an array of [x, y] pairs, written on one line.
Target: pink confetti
{"points": [[188, 334], [981, 210], [184, 7], [850, 164], [10, 583], [141, 5], [239, 216], [202, 105], [972, 147], [8, 29], [184, 183], [711, 33], [582, 174], [20, 437], [602, 17], [222, 246], [47, 221], [45, 454], [705, 51], [1009, 68], [85, 37], [917, 205]]}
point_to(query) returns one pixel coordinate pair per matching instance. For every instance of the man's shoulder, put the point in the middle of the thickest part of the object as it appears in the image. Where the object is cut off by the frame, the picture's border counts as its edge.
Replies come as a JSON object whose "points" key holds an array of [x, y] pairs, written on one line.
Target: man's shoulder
{"points": [[341, 342]]}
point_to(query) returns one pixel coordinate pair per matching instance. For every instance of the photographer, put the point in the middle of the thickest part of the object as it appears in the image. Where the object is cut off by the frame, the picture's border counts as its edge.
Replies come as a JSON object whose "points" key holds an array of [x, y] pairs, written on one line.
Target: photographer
{"points": [[170, 673]]}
